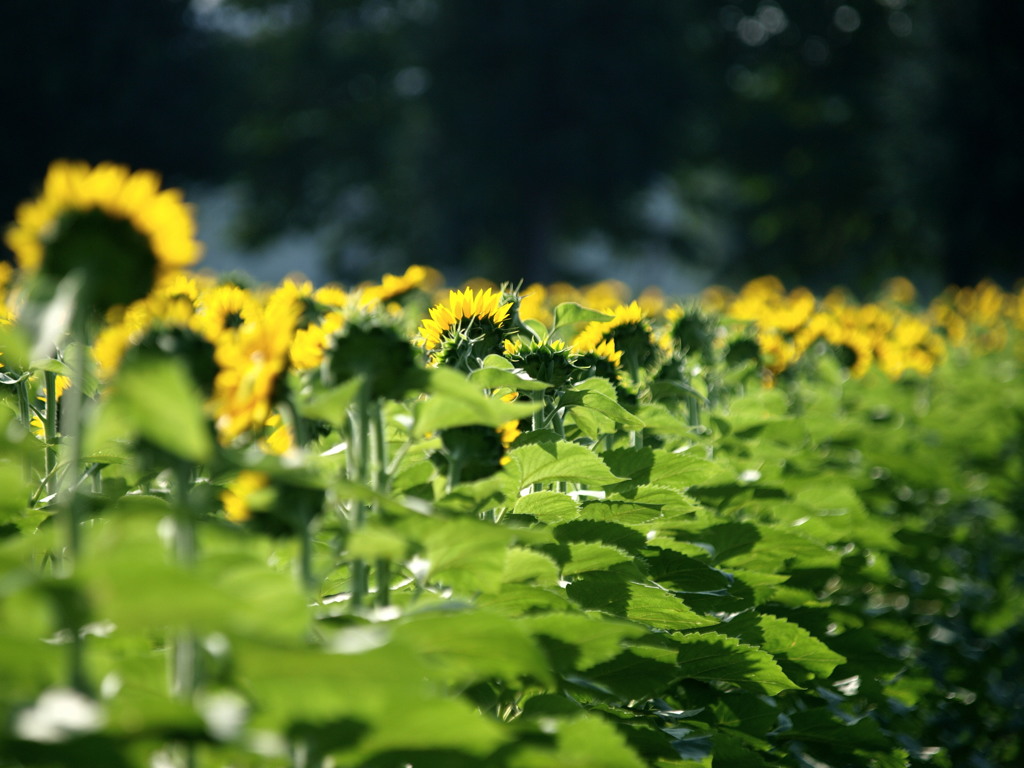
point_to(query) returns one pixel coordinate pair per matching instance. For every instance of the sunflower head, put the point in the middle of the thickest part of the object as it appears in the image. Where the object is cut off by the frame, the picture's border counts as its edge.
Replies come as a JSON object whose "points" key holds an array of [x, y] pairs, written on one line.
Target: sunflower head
{"points": [[249, 491], [398, 288], [373, 348], [692, 331], [116, 230], [630, 333], [477, 451], [553, 363], [470, 326]]}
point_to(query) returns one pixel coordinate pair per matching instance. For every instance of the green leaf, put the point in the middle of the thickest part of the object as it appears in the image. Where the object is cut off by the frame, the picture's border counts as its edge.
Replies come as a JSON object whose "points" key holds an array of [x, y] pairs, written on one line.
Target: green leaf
{"points": [[685, 574], [465, 554], [456, 402], [596, 638], [561, 461], [715, 657], [784, 638], [529, 565], [583, 743], [592, 556], [569, 313], [162, 404], [495, 378], [330, 405], [375, 540], [603, 404], [750, 714], [441, 725], [466, 647], [821, 725], [682, 471], [547, 506], [646, 604]]}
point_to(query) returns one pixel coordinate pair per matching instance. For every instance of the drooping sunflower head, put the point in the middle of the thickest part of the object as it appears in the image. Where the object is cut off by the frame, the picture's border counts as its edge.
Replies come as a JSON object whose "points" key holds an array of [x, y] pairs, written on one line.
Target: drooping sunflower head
{"points": [[372, 346], [630, 332], [470, 326], [692, 331], [551, 362], [117, 230]]}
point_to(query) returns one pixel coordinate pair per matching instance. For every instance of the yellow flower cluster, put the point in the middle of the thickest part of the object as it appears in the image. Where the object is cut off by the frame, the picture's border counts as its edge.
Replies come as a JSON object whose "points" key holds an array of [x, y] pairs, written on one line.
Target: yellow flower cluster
{"points": [[788, 324]]}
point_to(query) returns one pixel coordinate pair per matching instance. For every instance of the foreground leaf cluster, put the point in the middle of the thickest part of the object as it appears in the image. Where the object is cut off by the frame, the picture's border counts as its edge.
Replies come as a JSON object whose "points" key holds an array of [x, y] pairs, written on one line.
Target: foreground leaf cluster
{"points": [[825, 572]]}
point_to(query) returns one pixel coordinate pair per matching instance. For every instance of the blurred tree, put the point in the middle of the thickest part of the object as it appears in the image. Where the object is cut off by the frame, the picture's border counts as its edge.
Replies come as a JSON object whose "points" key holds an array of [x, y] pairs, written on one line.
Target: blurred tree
{"points": [[866, 137], [840, 133], [125, 80], [461, 128]]}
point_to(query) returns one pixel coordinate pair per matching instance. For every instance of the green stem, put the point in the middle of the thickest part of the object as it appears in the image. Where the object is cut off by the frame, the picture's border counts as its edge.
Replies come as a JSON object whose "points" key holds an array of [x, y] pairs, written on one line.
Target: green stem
{"points": [[358, 472], [72, 429], [50, 431], [25, 413], [66, 490], [184, 647], [379, 458]]}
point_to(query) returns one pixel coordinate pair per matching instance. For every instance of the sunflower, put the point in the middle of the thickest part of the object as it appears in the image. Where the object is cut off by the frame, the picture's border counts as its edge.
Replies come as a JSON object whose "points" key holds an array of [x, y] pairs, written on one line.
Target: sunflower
{"points": [[393, 288], [629, 333], [224, 308], [472, 325], [117, 228], [251, 362], [239, 495]]}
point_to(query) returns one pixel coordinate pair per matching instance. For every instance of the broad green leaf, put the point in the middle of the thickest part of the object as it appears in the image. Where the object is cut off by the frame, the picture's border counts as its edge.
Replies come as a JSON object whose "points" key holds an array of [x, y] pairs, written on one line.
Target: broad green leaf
{"points": [[470, 646], [646, 604], [494, 378], [377, 541], [547, 506], [612, 534], [592, 556], [624, 512], [596, 637], [603, 404], [446, 726], [561, 461], [14, 347], [784, 638], [682, 471], [731, 751], [465, 554], [529, 565], [715, 657], [756, 408], [822, 725], [636, 673], [522, 599], [15, 494], [330, 405], [686, 574], [456, 402], [750, 714], [586, 742], [569, 313], [163, 405]]}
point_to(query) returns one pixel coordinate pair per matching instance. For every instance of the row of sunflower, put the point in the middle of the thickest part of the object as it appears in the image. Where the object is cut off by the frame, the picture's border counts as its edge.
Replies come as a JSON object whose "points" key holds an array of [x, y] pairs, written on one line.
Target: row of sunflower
{"points": [[500, 503], [255, 351]]}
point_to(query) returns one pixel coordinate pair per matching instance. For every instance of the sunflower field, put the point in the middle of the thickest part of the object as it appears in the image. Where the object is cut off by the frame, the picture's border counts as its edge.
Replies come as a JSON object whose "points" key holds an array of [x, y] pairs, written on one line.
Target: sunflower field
{"points": [[395, 525]]}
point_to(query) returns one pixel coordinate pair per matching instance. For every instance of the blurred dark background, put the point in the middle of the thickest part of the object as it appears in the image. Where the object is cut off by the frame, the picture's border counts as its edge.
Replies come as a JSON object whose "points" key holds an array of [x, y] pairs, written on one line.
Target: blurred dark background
{"points": [[837, 141]]}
